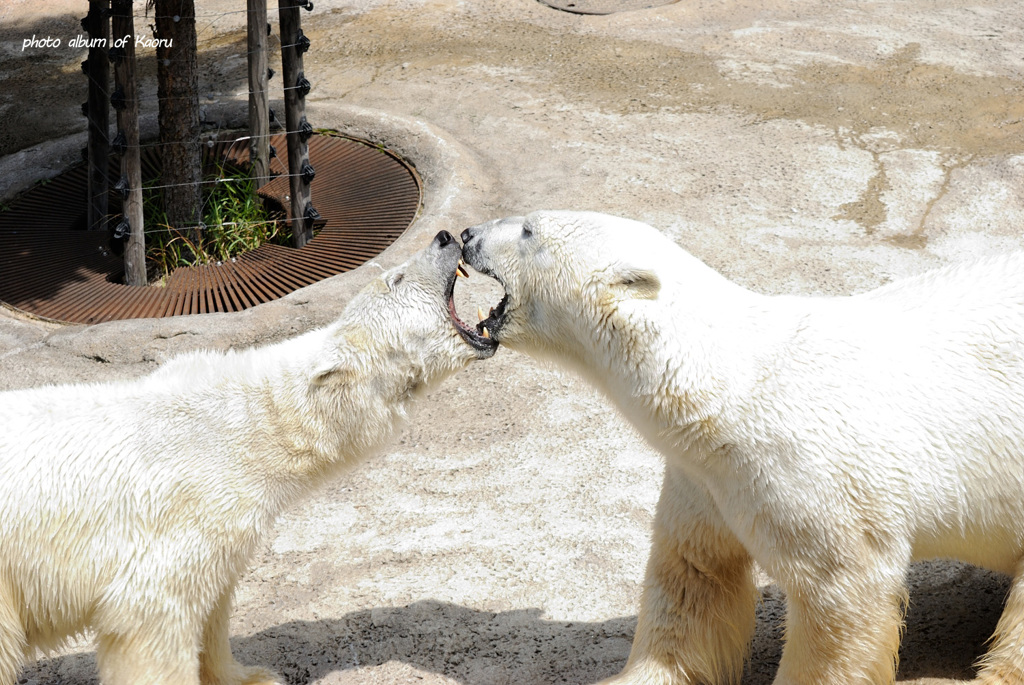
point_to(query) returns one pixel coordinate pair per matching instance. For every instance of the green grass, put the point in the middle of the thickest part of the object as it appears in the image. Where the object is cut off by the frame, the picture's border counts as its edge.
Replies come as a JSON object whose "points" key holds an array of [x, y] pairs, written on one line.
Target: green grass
{"points": [[235, 218]]}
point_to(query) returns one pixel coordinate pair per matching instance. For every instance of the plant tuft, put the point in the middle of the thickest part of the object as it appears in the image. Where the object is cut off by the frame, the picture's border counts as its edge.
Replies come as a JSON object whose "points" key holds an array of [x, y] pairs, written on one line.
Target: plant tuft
{"points": [[235, 220]]}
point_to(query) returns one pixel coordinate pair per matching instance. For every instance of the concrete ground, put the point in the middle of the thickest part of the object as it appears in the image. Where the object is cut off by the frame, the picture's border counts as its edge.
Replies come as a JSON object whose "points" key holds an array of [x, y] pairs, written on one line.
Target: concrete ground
{"points": [[814, 147]]}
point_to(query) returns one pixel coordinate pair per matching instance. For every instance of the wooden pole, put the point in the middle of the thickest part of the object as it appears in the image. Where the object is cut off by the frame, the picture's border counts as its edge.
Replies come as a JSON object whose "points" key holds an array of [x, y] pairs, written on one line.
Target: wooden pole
{"points": [[123, 24], [97, 68], [259, 104], [177, 73], [293, 45]]}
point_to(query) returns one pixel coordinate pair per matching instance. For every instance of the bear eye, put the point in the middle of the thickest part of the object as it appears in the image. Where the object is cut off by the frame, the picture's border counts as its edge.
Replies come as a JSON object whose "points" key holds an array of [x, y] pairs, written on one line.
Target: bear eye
{"points": [[396, 279], [527, 231]]}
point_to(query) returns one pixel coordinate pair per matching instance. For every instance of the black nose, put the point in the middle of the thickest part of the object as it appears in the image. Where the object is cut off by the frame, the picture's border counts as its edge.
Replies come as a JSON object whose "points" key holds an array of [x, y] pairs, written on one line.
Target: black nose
{"points": [[443, 238], [467, 235]]}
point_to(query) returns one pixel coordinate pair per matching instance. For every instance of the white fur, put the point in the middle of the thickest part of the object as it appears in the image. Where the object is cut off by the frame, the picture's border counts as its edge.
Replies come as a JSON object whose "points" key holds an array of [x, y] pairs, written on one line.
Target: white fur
{"points": [[132, 508], [832, 440]]}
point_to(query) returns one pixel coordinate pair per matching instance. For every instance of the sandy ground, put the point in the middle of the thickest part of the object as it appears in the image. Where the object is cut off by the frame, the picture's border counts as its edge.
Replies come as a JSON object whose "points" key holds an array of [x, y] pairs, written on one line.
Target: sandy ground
{"points": [[818, 147]]}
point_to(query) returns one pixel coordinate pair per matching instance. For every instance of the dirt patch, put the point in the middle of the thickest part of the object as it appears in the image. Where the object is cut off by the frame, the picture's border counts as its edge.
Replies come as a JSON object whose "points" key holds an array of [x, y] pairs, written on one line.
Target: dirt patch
{"points": [[895, 102], [869, 210], [928, 106]]}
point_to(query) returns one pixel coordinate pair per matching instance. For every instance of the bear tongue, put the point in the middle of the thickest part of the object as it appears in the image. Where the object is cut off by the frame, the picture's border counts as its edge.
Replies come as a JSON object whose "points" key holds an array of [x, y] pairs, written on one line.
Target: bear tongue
{"points": [[455, 317]]}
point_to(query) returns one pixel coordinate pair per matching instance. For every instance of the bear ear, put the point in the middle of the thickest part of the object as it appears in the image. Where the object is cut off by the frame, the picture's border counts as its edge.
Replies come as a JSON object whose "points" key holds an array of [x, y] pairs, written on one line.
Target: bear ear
{"points": [[338, 365], [380, 285], [332, 375], [638, 283]]}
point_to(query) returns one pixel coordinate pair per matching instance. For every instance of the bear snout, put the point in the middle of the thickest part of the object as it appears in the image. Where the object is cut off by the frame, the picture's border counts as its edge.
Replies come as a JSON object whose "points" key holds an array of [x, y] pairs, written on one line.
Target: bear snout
{"points": [[471, 248]]}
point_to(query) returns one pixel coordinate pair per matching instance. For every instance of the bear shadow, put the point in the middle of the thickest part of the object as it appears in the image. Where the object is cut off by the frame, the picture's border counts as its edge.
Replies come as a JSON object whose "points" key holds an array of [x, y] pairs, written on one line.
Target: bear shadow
{"points": [[952, 612]]}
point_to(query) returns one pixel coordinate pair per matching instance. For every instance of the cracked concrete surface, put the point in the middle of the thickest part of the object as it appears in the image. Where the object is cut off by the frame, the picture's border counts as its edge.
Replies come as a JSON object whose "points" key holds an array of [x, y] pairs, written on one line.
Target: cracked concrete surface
{"points": [[817, 148]]}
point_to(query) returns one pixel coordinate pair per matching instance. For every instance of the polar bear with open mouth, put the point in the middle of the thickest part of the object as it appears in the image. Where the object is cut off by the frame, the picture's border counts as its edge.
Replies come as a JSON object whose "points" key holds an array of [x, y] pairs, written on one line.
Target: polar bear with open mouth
{"points": [[831, 440], [132, 508]]}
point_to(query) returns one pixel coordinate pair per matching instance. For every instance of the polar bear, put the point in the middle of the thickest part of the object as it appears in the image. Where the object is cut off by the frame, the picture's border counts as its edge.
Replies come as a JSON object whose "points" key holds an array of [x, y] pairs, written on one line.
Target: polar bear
{"points": [[132, 508], [831, 440]]}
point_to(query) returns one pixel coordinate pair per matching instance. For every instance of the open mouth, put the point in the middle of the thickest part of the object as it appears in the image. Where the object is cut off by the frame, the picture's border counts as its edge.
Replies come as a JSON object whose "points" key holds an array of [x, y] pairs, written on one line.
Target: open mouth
{"points": [[491, 324], [480, 337], [495, 318]]}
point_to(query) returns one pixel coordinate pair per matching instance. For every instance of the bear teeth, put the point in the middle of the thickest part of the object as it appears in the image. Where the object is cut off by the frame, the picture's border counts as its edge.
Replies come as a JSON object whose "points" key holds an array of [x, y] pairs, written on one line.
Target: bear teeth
{"points": [[461, 269], [485, 333], [480, 314]]}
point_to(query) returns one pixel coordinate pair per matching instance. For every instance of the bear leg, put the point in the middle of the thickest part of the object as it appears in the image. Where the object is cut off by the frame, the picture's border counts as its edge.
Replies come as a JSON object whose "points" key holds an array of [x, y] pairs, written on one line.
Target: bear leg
{"points": [[844, 623], [13, 641], [1004, 662], [145, 658], [697, 610], [216, 664]]}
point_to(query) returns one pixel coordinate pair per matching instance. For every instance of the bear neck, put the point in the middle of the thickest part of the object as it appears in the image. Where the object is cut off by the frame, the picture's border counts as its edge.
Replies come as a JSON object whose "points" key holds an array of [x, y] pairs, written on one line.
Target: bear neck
{"points": [[312, 432], [674, 364]]}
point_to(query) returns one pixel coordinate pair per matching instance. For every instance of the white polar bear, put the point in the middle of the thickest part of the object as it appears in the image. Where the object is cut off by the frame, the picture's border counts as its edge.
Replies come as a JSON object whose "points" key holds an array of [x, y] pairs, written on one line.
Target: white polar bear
{"points": [[132, 508], [832, 440]]}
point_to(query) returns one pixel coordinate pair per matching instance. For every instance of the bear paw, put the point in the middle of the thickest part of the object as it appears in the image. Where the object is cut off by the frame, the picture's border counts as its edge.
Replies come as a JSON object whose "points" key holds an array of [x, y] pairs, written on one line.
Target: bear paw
{"points": [[243, 675], [260, 676]]}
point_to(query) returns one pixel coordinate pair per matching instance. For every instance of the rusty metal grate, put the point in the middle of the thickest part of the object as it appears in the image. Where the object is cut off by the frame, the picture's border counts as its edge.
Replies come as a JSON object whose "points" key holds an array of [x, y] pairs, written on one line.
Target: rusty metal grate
{"points": [[52, 268], [604, 6]]}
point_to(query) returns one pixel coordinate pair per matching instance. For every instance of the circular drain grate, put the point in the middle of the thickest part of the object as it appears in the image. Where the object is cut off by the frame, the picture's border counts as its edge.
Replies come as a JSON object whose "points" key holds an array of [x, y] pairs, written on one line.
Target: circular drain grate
{"points": [[51, 268], [604, 6]]}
